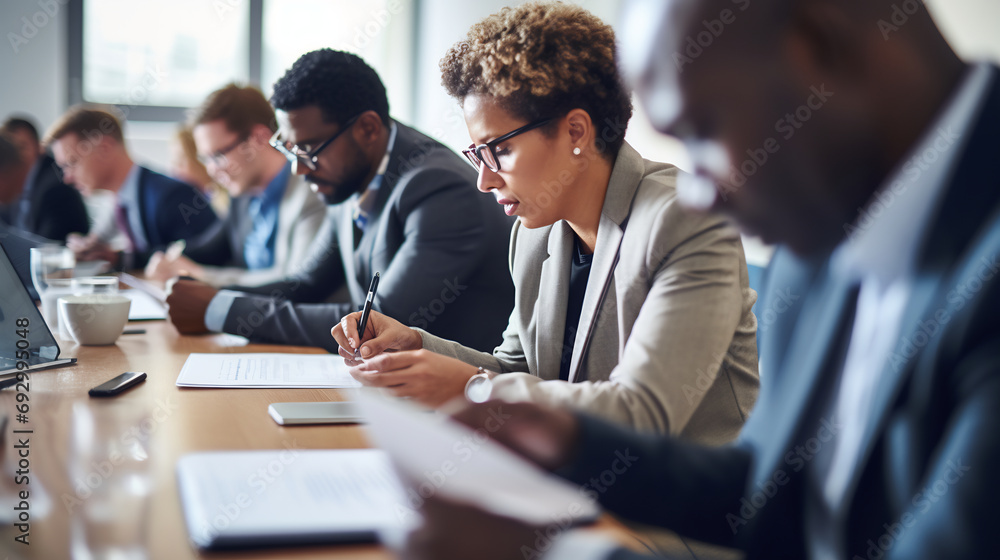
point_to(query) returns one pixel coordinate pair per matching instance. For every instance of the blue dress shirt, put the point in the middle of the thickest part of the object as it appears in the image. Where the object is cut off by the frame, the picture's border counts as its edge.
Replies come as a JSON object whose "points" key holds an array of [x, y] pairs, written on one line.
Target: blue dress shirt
{"points": [[258, 249]]}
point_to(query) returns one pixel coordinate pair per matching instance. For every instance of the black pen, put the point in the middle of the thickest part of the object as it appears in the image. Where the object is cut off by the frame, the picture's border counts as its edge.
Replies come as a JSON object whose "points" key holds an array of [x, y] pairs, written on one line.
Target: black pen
{"points": [[365, 311]]}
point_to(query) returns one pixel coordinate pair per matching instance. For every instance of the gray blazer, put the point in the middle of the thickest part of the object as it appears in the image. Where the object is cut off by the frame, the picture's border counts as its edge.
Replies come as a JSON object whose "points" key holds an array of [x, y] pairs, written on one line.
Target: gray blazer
{"points": [[666, 342], [437, 241]]}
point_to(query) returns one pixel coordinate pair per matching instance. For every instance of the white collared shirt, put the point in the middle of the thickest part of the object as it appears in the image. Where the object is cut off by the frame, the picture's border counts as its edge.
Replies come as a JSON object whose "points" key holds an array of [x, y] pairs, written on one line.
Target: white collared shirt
{"points": [[128, 193], [881, 253], [105, 227]]}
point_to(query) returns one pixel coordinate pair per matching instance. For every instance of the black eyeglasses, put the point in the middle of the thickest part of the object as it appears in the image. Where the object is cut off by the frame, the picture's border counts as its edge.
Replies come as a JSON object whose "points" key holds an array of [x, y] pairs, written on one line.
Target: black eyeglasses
{"points": [[219, 157], [486, 153], [296, 154]]}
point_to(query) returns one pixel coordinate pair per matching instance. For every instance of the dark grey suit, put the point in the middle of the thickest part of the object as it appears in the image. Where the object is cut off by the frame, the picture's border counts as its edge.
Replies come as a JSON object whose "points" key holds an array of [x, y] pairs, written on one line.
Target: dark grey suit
{"points": [[439, 244], [925, 485], [223, 245], [48, 207]]}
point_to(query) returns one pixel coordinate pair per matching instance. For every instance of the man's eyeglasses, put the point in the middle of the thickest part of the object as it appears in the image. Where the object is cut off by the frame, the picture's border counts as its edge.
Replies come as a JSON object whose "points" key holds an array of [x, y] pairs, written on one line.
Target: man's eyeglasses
{"points": [[309, 158], [219, 157], [486, 153]]}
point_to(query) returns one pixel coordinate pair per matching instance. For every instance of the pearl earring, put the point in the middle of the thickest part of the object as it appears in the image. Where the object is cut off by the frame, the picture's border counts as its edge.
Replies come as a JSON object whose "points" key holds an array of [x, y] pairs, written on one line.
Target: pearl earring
{"points": [[576, 151]]}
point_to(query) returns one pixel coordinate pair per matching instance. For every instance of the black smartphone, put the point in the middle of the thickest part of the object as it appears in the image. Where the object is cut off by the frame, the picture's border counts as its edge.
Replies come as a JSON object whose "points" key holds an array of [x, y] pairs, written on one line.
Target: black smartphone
{"points": [[118, 384]]}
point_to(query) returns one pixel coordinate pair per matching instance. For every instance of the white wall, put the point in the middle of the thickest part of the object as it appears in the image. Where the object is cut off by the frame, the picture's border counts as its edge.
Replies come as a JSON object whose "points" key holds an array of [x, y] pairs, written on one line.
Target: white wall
{"points": [[970, 25], [33, 75], [33, 79], [439, 115]]}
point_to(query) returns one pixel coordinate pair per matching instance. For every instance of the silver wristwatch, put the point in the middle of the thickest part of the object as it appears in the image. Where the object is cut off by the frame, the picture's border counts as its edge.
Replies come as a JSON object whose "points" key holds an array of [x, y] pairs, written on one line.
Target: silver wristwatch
{"points": [[479, 386]]}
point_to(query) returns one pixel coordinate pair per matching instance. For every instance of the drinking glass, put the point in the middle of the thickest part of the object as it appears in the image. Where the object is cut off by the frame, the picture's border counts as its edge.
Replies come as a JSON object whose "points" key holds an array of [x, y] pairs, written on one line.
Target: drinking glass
{"points": [[48, 262], [99, 285], [56, 288], [52, 273]]}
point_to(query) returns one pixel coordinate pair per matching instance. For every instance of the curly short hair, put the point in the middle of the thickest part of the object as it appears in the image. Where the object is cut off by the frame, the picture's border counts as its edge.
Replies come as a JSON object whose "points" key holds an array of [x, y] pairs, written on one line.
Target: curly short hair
{"points": [[543, 59], [340, 83]]}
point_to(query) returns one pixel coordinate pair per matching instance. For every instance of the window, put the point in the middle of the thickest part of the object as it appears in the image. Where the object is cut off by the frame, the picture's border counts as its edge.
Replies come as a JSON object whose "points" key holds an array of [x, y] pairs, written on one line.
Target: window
{"points": [[156, 59], [161, 53]]}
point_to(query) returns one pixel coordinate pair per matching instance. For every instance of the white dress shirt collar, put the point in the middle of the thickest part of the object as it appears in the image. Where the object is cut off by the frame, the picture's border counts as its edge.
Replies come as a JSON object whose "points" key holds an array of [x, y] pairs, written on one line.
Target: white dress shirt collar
{"points": [[129, 189], [881, 254]]}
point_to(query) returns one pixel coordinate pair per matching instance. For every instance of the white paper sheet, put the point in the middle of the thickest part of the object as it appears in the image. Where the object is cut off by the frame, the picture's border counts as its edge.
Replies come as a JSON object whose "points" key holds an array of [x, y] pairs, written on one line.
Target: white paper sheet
{"points": [[247, 498], [434, 454], [144, 306], [265, 370]]}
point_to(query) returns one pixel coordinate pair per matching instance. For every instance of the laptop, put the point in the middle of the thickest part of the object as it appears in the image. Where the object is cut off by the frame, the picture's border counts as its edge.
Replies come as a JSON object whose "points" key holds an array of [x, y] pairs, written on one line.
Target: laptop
{"points": [[25, 339], [17, 245]]}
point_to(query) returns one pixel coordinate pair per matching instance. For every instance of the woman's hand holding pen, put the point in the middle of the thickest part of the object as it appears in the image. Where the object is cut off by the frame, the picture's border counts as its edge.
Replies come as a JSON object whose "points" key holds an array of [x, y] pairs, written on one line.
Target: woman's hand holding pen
{"points": [[382, 334], [394, 359]]}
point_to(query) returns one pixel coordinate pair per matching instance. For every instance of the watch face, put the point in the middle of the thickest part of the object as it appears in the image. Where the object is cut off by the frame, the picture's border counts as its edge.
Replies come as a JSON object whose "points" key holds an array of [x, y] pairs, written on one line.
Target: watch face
{"points": [[479, 388]]}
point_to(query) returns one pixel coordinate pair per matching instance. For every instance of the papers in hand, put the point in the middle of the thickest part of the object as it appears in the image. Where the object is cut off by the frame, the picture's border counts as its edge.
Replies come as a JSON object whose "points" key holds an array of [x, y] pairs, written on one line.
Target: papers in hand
{"points": [[265, 370], [291, 496], [435, 454], [294, 496], [144, 286]]}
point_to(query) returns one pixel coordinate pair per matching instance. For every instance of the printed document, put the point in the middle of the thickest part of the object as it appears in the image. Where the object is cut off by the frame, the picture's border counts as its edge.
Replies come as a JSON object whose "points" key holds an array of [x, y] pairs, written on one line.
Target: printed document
{"points": [[266, 370], [289, 496]]}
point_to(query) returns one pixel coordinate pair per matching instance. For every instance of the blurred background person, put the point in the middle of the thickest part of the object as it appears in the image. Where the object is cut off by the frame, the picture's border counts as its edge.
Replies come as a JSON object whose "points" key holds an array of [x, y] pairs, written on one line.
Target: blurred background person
{"points": [[186, 167], [273, 216], [399, 203], [34, 196], [151, 210]]}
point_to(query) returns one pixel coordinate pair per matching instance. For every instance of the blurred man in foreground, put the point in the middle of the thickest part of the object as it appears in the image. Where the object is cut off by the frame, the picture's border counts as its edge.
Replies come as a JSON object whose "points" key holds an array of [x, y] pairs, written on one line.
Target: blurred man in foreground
{"points": [[849, 132]]}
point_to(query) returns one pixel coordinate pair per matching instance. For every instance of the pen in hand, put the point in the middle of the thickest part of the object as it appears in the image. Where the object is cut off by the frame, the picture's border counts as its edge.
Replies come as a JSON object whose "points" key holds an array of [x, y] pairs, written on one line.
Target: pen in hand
{"points": [[176, 249], [366, 310]]}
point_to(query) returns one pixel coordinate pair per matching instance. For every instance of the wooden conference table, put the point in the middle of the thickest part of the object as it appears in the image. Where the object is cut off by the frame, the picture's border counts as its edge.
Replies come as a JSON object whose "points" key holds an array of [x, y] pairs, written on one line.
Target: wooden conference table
{"points": [[191, 420]]}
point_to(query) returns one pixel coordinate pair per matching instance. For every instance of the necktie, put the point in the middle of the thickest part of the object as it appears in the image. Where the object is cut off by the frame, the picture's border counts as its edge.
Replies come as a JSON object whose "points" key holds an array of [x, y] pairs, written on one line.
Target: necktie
{"points": [[121, 220]]}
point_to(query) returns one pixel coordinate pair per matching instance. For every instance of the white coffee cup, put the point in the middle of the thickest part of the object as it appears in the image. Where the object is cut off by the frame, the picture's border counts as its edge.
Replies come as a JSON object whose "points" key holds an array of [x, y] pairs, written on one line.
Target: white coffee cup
{"points": [[94, 319]]}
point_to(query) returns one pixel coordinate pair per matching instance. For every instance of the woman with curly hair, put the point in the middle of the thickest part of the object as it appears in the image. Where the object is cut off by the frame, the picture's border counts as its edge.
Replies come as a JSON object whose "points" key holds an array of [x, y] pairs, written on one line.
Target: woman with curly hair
{"points": [[626, 306]]}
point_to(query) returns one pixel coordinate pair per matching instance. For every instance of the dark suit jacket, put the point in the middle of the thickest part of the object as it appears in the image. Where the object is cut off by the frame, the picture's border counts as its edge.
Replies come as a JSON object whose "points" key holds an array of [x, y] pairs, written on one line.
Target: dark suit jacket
{"points": [[166, 210], [53, 209], [440, 245], [223, 246], [926, 483]]}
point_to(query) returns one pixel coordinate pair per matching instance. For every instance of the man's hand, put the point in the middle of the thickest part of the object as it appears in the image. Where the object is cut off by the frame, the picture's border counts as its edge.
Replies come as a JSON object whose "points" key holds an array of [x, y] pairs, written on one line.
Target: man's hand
{"points": [[456, 531], [90, 248], [80, 243], [187, 301], [381, 334], [162, 267], [546, 436]]}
